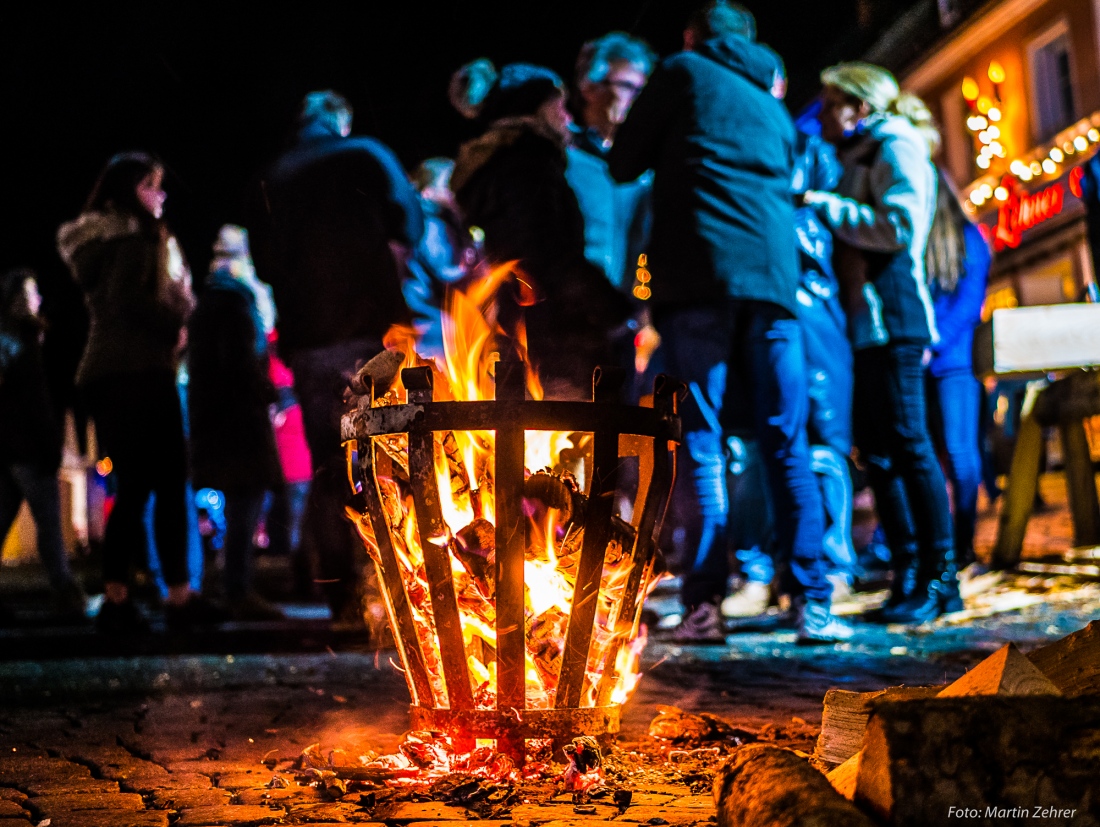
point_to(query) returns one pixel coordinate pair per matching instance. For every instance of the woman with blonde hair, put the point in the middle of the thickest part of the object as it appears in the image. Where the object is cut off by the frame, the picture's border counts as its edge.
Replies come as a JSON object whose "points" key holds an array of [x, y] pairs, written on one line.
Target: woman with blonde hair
{"points": [[880, 215]]}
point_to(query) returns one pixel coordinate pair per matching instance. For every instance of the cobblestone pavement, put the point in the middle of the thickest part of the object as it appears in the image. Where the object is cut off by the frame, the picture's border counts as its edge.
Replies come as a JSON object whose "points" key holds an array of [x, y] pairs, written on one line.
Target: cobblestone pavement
{"points": [[200, 741]]}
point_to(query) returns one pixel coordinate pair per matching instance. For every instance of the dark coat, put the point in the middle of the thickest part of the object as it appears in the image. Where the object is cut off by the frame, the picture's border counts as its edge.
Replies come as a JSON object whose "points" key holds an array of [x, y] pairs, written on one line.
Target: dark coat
{"points": [[136, 309], [511, 183], [29, 432], [721, 147], [321, 228], [232, 439], [958, 312]]}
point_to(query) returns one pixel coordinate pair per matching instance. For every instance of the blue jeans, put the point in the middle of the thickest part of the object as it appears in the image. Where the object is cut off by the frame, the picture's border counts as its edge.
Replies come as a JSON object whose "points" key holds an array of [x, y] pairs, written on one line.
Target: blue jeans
{"points": [[750, 512], [745, 367], [953, 406], [39, 488]]}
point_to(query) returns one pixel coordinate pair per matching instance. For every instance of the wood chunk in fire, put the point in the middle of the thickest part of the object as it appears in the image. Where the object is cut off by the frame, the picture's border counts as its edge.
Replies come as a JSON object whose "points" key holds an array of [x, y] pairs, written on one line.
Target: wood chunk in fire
{"points": [[475, 548], [557, 491]]}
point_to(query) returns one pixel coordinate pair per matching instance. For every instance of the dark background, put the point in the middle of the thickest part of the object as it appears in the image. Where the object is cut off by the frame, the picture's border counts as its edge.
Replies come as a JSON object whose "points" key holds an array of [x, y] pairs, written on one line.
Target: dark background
{"points": [[213, 90]]}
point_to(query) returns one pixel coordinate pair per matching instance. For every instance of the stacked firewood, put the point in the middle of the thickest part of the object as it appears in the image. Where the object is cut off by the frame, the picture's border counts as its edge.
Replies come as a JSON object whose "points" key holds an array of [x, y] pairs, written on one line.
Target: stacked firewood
{"points": [[1016, 738]]}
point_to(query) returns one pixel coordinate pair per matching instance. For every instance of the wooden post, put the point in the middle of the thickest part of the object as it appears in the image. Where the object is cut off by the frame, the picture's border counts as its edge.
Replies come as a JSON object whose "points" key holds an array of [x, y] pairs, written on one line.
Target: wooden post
{"points": [[1080, 482], [1019, 497]]}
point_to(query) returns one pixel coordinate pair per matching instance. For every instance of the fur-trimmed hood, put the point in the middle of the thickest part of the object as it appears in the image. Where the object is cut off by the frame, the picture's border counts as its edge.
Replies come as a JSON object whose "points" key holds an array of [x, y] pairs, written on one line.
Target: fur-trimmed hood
{"points": [[93, 226], [503, 133]]}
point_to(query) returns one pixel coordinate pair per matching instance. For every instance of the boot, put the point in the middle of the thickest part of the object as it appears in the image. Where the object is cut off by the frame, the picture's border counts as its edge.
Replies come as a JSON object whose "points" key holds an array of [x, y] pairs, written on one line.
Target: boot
{"points": [[936, 593], [903, 582]]}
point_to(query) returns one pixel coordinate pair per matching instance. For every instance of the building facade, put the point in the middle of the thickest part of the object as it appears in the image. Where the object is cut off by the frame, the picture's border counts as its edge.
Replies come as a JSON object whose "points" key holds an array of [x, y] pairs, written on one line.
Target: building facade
{"points": [[1015, 86]]}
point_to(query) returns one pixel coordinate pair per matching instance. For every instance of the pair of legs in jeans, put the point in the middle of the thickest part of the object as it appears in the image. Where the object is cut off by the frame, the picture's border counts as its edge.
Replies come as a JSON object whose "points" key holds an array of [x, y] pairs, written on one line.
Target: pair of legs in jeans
{"points": [[19, 482], [743, 362], [891, 432], [320, 377], [954, 406]]}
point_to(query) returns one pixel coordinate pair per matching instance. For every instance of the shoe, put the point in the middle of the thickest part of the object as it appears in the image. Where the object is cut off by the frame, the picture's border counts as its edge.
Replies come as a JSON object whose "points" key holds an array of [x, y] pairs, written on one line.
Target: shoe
{"points": [[252, 607], [121, 619], [750, 600], [842, 586], [196, 612], [70, 603], [976, 579], [817, 624], [702, 625], [903, 582], [935, 598]]}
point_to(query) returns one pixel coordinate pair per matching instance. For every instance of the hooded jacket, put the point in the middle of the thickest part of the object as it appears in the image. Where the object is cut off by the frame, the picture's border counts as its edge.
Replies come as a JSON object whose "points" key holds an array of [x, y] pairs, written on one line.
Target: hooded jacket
{"points": [[321, 226], [721, 147], [137, 290], [884, 206]]}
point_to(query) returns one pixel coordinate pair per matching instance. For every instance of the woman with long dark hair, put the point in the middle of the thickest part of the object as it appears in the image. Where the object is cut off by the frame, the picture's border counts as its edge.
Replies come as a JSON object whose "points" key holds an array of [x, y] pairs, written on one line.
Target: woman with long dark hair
{"points": [[30, 436], [880, 216], [957, 261], [138, 292]]}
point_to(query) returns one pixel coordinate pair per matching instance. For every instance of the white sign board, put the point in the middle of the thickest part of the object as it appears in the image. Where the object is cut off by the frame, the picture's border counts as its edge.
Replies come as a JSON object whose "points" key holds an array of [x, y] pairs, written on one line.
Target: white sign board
{"points": [[1046, 338]]}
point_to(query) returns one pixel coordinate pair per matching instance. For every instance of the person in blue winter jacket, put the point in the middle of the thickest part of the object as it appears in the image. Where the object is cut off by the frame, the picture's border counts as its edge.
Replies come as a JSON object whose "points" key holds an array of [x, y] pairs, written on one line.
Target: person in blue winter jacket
{"points": [[957, 261]]}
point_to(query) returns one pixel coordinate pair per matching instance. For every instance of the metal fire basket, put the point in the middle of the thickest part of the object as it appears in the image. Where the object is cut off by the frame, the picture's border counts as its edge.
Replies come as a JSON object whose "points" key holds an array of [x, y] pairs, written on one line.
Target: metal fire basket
{"points": [[619, 432]]}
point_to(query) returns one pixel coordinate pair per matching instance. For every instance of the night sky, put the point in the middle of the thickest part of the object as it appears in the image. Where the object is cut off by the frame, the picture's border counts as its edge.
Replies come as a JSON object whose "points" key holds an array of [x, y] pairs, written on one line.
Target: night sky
{"points": [[214, 93]]}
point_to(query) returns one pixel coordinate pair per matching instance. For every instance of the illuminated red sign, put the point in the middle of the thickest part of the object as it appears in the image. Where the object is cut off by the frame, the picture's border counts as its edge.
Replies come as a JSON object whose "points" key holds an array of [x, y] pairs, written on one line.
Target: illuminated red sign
{"points": [[1024, 210]]}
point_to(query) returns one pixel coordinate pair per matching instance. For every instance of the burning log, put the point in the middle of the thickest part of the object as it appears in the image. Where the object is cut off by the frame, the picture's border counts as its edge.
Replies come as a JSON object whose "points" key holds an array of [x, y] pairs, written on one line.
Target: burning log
{"points": [[762, 785], [557, 491], [585, 765], [476, 550]]}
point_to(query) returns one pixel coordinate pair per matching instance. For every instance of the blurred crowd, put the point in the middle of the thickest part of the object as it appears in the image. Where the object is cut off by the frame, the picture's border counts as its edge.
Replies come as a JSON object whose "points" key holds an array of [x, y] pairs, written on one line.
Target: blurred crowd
{"points": [[816, 286]]}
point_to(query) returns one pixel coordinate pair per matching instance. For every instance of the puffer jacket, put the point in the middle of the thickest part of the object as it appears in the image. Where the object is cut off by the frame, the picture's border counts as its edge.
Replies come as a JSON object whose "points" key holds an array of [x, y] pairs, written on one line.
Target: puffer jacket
{"points": [[883, 207], [137, 290]]}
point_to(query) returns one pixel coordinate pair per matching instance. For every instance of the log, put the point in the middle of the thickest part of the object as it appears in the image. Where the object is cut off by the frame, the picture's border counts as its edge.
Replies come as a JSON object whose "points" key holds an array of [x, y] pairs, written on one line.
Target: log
{"points": [[1072, 663], [845, 715], [1005, 672], [843, 778], [762, 786], [1003, 759]]}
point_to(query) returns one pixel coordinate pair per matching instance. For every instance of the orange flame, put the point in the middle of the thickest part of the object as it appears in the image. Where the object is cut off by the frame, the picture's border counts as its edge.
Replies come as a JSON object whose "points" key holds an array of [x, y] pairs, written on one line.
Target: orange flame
{"points": [[464, 463]]}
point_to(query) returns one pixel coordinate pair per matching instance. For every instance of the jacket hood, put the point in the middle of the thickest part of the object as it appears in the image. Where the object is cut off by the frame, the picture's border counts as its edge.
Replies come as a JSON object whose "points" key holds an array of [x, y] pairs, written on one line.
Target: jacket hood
{"points": [[93, 227], [754, 61]]}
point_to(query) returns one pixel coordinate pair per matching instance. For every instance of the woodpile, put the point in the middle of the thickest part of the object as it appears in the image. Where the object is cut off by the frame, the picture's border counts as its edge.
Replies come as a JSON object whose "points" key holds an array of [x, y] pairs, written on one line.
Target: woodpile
{"points": [[1014, 739]]}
